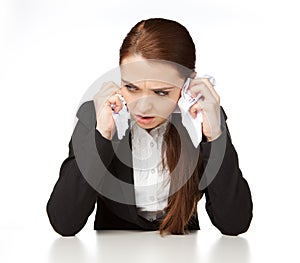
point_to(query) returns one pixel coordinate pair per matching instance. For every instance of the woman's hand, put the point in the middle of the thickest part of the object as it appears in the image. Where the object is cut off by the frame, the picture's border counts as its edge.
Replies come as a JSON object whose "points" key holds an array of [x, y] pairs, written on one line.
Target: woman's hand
{"points": [[209, 105], [103, 100]]}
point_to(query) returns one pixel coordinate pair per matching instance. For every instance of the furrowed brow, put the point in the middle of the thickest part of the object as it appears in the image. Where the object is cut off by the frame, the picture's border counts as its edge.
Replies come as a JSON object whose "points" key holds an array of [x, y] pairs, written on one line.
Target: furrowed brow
{"points": [[127, 82], [155, 89]]}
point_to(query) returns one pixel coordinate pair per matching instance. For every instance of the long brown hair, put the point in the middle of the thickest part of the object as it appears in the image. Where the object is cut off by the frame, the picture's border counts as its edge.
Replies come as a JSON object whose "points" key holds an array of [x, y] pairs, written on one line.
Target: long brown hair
{"points": [[159, 38]]}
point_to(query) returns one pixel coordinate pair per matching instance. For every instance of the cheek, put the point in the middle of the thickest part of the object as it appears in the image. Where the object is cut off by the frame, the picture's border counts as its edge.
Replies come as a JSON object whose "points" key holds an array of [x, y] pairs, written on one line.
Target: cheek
{"points": [[172, 102], [166, 106], [173, 99], [176, 95]]}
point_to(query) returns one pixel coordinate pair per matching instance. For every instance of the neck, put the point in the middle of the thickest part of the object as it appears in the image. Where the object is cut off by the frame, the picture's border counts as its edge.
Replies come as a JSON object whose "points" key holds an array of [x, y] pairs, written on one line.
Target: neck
{"points": [[148, 130]]}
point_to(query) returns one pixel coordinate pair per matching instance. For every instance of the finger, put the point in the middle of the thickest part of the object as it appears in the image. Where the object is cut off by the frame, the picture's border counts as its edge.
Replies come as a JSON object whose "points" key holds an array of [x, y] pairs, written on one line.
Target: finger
{"points": [[210, 86], [106, 90], [212, 89], [110, 87], [102, 96], [118, 91], [116, 102], [201, 87], [194, 109]]}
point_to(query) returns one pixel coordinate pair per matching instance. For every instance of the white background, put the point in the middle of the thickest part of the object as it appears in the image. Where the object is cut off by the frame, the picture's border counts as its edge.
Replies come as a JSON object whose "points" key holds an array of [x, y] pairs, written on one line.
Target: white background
{"points": [[52, 51]]}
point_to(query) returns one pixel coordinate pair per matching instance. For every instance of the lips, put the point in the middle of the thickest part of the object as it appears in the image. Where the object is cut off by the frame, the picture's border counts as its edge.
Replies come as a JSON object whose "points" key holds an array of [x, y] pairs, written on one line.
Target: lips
{"points": [[144, 119]]}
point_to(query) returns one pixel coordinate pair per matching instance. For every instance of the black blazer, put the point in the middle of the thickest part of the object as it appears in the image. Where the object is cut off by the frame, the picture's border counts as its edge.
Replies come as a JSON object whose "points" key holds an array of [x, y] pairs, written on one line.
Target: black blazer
{"points": [[228, 197]]}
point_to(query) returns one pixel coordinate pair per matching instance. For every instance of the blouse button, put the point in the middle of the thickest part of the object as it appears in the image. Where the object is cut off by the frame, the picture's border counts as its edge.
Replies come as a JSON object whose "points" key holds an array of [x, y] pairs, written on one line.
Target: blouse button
{"points": [[151, 144], [153, 171]]}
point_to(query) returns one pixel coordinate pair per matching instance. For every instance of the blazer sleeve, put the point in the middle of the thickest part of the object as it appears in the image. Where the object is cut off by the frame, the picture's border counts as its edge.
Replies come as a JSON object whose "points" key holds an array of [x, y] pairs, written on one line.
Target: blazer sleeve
{"points": [[228, 197], [73, 198]]}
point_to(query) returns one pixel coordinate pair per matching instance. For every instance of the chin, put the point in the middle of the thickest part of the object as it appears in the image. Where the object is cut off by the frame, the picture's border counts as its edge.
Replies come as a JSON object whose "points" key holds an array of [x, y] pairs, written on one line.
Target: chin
{"points": [[147, 127]]}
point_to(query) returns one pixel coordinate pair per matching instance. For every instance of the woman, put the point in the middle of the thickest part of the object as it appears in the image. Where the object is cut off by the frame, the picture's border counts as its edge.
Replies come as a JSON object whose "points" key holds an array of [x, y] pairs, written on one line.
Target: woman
{"points": [[133, 188]]}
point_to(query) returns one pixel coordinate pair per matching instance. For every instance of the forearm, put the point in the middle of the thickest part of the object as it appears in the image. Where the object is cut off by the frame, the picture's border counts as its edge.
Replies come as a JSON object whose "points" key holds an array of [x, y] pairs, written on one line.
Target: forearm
{"points": [[228, 197], [81, 174], [72, 200]]}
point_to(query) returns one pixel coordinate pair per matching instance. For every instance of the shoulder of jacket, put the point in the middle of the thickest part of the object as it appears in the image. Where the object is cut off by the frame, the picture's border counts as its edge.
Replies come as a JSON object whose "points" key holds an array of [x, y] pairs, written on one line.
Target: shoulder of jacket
{"points": [[223, 111], [86, 114]]}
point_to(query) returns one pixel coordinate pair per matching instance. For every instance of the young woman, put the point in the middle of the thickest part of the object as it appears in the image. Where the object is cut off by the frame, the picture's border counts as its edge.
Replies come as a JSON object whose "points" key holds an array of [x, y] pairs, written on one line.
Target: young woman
{"points": [[153, 176]]}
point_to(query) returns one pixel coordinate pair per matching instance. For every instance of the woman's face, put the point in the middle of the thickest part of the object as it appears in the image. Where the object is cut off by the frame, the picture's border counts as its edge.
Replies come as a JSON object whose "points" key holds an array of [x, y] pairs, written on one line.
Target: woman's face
{"points": [[151, 90]]}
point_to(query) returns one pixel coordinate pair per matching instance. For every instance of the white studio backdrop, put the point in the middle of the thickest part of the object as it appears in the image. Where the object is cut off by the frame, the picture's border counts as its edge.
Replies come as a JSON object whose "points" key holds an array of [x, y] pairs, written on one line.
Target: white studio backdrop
{"points": [[52, 51]]}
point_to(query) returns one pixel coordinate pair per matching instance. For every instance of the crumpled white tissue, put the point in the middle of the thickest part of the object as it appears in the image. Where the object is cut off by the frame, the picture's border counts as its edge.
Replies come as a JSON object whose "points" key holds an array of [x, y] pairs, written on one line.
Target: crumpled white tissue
{"points": [[121, 118], [193, 126]]}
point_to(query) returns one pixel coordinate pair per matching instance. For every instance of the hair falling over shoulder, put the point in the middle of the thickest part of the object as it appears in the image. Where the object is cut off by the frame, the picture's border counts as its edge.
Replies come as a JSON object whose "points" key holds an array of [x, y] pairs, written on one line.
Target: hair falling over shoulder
{"points": [[185, 177]]}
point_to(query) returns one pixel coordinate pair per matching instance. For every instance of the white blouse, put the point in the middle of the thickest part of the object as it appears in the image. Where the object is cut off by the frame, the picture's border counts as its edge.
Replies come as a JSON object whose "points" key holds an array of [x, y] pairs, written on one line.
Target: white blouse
{"points": [[151, 183]]}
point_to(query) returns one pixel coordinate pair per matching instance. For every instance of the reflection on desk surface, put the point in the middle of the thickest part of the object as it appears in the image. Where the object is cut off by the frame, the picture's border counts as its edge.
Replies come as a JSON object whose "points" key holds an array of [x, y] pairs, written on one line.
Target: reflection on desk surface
{"points": [[149, 246]]}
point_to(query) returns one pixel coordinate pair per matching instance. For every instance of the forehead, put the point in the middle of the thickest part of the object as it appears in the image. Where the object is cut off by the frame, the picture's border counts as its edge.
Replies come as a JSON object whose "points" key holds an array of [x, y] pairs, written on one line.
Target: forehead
{"points": [[155, 71]]}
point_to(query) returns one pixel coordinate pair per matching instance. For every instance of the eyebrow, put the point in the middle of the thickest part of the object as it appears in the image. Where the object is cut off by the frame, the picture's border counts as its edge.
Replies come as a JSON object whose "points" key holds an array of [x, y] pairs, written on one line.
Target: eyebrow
{"points": [[164, 88]]}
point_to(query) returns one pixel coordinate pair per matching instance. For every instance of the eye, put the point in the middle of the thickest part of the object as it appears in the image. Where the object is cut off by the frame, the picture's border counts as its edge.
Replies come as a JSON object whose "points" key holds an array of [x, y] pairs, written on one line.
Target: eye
{"points": [[130, 88], [161, 92]]}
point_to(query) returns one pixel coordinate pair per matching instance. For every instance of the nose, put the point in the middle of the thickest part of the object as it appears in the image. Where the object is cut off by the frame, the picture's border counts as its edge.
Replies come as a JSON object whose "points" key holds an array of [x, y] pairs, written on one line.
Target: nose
{"points": [[144, 105]]}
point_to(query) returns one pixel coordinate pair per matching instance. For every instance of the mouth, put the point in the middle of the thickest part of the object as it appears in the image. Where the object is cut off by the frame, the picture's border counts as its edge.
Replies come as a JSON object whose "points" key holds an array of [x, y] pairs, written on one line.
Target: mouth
{"points": [[144, 119]]}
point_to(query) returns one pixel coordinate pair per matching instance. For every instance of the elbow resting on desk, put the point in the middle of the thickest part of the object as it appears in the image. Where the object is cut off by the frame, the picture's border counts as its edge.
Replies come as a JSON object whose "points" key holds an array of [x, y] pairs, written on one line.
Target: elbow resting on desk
{"points": [[63, 225], [234, 219]]}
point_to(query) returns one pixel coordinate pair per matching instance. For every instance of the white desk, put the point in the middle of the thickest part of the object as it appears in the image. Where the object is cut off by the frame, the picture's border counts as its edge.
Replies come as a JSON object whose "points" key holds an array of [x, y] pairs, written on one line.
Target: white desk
{"points": [[136, 246], [41, 244]]}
